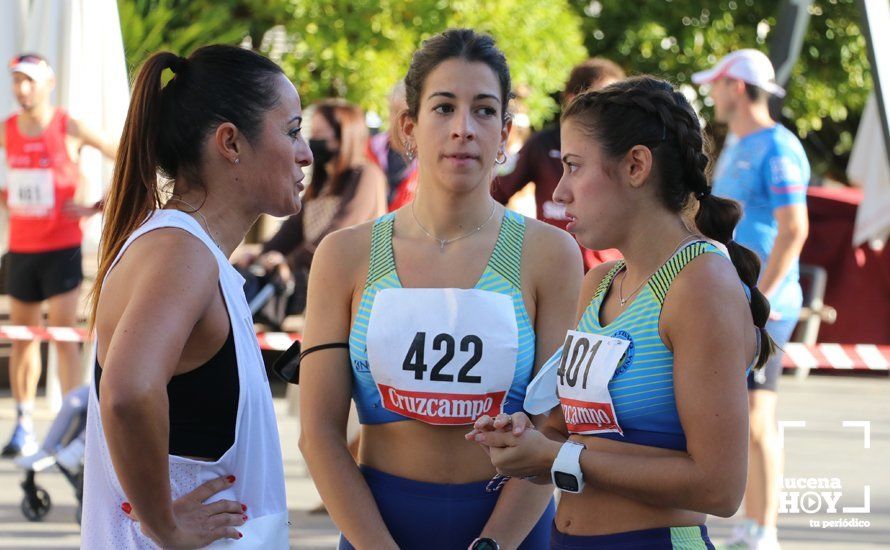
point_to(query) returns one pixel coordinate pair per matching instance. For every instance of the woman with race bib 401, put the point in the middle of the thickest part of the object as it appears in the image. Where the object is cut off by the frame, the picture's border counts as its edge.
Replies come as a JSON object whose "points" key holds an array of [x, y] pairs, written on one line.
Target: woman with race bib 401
{"points": [[441, 311], [650, 433]]}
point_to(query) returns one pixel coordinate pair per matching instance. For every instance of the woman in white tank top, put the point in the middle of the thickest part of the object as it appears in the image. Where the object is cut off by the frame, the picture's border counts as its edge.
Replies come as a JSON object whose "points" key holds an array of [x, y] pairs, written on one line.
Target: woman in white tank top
{"points": [[167, 307]]}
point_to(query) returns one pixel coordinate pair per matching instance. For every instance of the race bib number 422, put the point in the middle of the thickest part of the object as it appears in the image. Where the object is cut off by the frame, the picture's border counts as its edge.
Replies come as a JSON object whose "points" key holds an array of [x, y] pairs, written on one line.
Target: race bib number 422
{"points": [[442, 356], [588, 363]]}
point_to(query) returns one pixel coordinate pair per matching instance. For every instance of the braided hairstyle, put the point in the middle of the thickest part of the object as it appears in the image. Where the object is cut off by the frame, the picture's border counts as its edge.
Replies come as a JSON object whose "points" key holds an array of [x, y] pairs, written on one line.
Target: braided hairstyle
{"points": [[647, 111]]}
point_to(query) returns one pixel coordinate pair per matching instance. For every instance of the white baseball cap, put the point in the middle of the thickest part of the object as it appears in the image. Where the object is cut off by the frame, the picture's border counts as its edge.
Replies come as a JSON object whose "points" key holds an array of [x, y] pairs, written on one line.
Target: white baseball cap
{"points": [[751, 66], [31, 65]]}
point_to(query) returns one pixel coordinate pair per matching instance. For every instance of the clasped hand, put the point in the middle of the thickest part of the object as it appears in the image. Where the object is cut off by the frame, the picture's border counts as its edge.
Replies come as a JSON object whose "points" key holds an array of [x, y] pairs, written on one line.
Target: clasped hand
{"points": [[515, 447]]}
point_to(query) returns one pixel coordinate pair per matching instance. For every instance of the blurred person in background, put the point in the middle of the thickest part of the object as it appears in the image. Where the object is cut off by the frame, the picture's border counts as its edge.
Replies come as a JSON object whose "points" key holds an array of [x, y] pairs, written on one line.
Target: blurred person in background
{"points": [[345, 189], [387, 150], [765, 169], [42, 146], [539, 159]]}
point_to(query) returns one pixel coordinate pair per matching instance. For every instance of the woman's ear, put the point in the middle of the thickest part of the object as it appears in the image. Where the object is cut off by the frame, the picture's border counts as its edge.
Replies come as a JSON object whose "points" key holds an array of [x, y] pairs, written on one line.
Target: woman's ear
{"points": [[637, 165], [505, 132], [406, 126], [227, 141]]}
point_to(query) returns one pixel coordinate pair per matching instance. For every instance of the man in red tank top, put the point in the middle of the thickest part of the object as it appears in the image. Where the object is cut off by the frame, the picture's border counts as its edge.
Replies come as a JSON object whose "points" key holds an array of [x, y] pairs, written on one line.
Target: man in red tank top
{"points": [[42, 145]]}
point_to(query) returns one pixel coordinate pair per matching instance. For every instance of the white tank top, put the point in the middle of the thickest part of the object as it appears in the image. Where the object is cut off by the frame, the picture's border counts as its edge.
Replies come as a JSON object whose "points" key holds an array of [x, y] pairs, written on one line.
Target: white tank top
{"points": [[254, 458]]}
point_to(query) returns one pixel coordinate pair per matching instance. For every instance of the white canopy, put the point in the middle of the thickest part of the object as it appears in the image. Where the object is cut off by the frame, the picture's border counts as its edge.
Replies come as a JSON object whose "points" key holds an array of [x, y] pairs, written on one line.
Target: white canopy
{"points": [[12, 38], [869, 167], [82, 41]]}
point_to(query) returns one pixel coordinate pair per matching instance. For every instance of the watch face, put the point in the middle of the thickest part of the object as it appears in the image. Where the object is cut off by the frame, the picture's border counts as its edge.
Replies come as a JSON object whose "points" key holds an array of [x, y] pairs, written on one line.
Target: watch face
{"points": [[566, 482], [485, 544]]}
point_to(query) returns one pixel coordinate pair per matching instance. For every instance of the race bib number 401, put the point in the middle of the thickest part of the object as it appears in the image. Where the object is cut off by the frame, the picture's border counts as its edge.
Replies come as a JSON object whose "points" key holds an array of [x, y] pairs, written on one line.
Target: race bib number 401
{"points": [[442, 356], [588, 363]]}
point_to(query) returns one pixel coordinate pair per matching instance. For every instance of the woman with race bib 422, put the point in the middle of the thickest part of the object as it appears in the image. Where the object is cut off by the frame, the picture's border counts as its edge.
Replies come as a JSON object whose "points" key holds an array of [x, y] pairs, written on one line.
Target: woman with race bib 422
{"points": [[442, 311]]}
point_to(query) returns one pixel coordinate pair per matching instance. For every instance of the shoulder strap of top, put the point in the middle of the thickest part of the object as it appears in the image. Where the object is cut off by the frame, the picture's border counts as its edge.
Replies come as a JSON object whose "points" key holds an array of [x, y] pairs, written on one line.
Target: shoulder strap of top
{"points": [[61, 118], [171, 218], [661, 281], [591, 312], [506, 259], [607, 280], [382, 261]]}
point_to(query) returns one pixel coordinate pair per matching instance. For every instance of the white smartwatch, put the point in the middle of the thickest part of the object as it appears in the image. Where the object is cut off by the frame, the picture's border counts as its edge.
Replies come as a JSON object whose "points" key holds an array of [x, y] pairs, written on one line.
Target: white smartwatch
{"points": [[566, 469]]}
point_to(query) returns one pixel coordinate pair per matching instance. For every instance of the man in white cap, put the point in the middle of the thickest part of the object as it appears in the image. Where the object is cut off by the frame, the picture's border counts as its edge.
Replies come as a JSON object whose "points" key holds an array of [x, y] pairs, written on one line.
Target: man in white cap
{"points": [[42, 146], [763, 167]]}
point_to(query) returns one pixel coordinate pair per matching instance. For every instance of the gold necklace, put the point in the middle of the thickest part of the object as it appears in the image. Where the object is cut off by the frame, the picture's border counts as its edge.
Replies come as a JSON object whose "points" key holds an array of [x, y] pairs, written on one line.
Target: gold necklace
{"points": [[621, 299], [443, 242], [198, 212]]}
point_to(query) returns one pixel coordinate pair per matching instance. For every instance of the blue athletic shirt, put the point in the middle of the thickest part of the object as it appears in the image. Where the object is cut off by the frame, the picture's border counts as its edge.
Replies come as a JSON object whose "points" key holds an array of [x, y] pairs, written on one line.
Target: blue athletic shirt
{"points": [[764, 171], [502, 274]]}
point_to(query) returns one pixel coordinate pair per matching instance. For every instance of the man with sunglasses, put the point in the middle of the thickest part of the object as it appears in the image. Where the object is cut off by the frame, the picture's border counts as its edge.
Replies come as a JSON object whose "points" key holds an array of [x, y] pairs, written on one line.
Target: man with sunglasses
{"points": [[42, 145]]}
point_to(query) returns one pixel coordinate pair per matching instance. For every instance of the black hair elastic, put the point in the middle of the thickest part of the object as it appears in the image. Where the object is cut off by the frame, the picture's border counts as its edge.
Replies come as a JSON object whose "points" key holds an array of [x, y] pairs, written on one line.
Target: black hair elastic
{"points": [[287, 367], [178, 64], [702, 194]]}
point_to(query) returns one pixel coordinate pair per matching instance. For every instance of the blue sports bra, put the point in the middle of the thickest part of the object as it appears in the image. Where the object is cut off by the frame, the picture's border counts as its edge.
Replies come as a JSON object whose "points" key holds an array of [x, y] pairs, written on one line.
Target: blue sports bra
{"points": [[501, 275], [642, 388]]}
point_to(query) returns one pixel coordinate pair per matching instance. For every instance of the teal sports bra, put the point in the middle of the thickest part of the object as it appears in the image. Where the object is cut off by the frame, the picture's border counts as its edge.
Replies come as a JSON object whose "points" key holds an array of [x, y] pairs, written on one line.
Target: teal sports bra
{"points": [[501, 275], [642, 388]]}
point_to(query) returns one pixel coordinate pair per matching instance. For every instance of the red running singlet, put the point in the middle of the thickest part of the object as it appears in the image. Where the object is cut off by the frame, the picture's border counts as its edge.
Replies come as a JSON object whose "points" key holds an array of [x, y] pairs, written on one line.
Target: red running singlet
{"points": [[41, 177]]}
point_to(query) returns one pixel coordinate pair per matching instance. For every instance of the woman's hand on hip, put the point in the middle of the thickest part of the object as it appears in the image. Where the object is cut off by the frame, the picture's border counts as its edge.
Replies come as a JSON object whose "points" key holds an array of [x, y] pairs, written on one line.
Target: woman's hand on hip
{"points": [[198, 524]]}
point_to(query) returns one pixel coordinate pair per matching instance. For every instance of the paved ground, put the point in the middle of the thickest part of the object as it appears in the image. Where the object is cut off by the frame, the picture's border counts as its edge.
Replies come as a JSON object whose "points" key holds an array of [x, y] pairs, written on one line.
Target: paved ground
{"points": [[822, 449]]}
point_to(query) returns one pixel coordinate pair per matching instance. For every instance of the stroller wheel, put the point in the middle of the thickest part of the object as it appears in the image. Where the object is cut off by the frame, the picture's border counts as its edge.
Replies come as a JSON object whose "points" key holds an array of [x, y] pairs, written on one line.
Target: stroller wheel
{"points": [[36, 505]]}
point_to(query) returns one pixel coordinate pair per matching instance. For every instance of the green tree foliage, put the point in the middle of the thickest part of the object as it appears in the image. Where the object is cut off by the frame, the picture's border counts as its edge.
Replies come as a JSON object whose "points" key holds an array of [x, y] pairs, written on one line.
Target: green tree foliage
{"points": [[358, 49], [181, 26], [674, 38]]}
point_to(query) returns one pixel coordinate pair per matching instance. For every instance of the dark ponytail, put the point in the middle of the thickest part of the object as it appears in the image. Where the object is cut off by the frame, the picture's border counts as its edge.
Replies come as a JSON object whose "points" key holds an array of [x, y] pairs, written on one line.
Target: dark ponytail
{"points": [[647, 111], [166, 127]]}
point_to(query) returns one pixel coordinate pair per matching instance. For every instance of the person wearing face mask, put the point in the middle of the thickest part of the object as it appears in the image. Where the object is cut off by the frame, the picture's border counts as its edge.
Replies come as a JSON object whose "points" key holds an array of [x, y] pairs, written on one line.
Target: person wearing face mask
{"points": [[345, 189]]}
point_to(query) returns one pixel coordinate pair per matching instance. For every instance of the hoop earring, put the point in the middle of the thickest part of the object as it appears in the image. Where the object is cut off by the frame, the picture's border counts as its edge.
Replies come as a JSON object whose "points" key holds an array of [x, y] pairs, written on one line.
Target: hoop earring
{"points": [[497, 158]]}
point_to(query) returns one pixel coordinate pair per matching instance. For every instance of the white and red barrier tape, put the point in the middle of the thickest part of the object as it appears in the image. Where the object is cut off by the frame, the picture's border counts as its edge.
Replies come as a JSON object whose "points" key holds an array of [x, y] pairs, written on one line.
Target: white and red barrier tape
{"points": [[837, 356], [268, 340], [867, 357]]}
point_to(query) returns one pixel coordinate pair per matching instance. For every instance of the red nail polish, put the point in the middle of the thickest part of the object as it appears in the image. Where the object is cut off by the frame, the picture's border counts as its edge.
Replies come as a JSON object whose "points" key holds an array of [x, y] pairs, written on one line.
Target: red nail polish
{"points": [[231, 479], [243, 508], [239, 534], [126, 508], [244, 518]]}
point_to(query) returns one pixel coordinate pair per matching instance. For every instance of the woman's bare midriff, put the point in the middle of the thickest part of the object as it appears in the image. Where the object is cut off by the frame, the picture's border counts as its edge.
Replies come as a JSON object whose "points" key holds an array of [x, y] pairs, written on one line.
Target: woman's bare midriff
{"points": [[422, 452], [599, 512]]}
